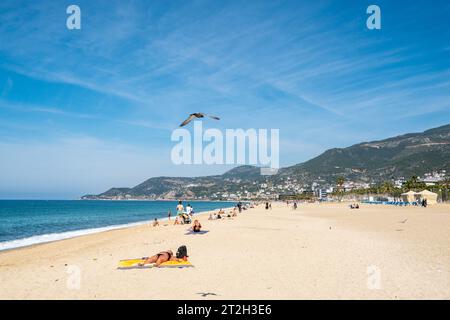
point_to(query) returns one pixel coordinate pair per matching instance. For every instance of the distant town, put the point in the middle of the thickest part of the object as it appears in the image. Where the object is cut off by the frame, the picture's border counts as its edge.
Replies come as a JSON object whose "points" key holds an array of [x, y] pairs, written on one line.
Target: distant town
{"points": [[291, 188]]}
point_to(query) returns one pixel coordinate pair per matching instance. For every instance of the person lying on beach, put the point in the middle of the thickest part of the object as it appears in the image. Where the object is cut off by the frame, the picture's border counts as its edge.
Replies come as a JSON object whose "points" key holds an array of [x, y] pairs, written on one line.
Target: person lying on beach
{"points": [[155, 223], [161, 257], [197, 226]]}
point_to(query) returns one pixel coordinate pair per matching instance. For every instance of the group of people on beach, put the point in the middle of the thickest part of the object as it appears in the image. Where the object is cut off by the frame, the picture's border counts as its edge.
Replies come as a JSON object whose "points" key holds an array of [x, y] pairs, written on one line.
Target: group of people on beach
{"points": [[184, 215], [294, 204], [181, 254], [221, 214]]}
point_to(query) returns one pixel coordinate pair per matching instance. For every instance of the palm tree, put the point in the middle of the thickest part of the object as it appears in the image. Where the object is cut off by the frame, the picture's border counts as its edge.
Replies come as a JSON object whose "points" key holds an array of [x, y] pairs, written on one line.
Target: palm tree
{"points": [[414, 184], [339, 186], [340, 182], [387, 187]]}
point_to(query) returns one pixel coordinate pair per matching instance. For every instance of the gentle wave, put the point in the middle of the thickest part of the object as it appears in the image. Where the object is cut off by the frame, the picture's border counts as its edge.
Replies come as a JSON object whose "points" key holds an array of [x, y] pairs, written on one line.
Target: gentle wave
{"points": [[63, 235], [18, 243]]}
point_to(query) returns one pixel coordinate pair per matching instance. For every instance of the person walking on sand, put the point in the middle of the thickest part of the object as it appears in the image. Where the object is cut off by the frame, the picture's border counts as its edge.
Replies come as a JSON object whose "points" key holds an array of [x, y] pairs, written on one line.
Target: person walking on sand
{"points": [[169, 214], [267, 206]]}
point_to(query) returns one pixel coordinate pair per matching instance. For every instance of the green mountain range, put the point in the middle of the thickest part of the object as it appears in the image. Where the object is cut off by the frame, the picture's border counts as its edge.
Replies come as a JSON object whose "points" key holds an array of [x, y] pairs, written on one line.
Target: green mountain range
{"points": [[372, 162]]}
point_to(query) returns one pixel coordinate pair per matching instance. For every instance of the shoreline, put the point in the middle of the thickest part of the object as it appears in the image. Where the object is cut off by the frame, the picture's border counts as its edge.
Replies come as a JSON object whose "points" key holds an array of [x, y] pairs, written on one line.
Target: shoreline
{"points": [[61, 236]]}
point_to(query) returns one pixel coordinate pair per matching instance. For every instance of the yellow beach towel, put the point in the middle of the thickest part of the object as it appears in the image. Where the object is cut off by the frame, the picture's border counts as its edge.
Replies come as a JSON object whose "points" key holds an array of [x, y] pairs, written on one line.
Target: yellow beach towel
{"points": [[134, 264]]}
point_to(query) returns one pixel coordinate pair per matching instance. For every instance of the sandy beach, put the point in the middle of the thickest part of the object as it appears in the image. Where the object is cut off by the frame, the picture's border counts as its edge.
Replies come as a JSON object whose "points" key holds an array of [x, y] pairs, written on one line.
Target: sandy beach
{"points": [[319, 251]]}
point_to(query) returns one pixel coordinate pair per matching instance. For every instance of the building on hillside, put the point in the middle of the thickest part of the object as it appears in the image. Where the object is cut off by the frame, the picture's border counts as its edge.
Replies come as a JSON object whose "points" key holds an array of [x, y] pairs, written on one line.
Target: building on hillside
{"points": [[321, 193]]}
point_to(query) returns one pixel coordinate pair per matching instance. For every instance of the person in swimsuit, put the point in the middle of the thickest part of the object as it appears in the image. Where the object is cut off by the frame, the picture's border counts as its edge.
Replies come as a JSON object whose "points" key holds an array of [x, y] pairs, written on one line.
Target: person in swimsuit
{"points": [[180, 208], [197, 226], [159, 258]]}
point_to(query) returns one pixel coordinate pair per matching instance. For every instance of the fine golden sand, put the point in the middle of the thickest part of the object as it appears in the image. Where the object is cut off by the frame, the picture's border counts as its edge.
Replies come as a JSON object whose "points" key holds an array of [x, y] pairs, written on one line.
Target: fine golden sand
{"points": [[319, 251]]}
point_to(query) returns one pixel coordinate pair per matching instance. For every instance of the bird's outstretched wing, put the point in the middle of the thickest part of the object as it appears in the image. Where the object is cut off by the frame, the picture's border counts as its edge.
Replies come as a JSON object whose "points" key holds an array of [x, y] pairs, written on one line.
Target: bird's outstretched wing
{"points": [[215, 118], [189, 119]]}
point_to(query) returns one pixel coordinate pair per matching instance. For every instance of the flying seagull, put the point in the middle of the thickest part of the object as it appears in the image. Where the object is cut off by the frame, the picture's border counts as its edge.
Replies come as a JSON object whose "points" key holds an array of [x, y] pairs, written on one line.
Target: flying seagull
{"points": [[204, 294], [196, 115]]}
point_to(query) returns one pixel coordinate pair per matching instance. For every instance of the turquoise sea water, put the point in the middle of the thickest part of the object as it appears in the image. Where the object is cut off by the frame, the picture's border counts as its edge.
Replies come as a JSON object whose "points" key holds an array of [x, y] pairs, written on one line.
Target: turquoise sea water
{"points": [[26, 222]]}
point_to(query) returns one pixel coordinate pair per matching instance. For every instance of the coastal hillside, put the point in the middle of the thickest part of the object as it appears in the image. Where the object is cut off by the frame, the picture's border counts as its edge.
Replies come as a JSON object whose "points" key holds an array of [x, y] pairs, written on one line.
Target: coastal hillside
{"points": [[368, 162], [401, 156]]}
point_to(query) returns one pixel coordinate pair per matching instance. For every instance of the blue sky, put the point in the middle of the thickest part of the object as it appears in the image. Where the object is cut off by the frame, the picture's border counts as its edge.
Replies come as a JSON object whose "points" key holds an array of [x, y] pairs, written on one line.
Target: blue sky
{"points": [[84, 110]]}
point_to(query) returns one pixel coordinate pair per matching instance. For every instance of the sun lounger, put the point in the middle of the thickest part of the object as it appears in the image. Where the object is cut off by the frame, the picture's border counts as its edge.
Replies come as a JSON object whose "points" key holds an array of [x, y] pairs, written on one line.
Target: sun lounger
{"points": [[134, 264]]}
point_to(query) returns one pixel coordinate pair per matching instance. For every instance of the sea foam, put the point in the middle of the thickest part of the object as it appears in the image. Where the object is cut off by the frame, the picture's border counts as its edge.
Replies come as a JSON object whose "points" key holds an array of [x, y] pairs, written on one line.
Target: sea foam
{"points": [[63, 235]]}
